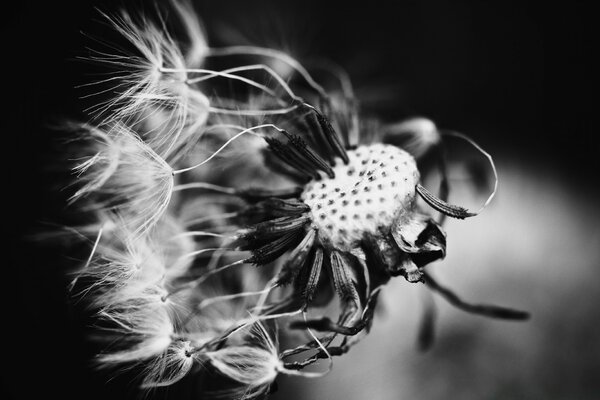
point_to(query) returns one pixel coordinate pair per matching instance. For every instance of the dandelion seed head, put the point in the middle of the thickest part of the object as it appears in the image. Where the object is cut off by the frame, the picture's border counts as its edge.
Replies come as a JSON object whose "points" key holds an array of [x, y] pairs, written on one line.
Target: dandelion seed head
{"points": [[190, 181], [368, 193]]}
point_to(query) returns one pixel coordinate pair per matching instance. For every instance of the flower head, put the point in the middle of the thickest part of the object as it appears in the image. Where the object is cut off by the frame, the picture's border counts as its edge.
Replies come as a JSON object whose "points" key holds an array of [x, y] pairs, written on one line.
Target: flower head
{"points": [[323, 203]]}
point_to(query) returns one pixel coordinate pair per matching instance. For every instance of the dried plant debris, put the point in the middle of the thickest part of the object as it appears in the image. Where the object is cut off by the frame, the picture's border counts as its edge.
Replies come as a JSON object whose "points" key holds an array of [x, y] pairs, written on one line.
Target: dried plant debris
{"points": [[230, 204]]}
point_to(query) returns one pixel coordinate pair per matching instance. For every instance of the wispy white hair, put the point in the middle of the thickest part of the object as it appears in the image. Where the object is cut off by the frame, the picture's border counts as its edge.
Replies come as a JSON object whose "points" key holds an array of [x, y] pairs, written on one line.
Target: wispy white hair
{"points": [[255, 364], [160, 104], [125, 176], [170, 366], [145, 325]]}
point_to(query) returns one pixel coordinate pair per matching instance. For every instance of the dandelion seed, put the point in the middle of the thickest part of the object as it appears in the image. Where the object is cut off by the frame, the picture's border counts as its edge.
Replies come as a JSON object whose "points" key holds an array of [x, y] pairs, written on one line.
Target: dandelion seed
{"points": [[127, 177], [171, 366], [143, 325], [162, 104]]}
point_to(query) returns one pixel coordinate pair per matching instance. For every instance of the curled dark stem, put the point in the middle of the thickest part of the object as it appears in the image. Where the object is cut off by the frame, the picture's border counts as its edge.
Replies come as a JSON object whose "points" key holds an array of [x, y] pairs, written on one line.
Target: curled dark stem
{"points": [[486, 310]]}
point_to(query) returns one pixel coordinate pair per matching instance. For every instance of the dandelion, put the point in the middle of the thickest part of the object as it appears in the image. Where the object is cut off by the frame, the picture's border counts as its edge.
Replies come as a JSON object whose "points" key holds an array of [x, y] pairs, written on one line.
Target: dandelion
{"points": [[189, 191]]}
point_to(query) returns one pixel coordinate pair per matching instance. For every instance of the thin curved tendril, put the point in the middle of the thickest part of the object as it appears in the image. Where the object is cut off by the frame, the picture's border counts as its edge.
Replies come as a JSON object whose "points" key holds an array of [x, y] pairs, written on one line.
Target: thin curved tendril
{"points": [[251, 129], [206, 302], [244, 68], [213, 74], [244, 323], [204, 185], [225, 73], [192, 284], [490, 159], [261, 301], [253, 113], [261, 51]]}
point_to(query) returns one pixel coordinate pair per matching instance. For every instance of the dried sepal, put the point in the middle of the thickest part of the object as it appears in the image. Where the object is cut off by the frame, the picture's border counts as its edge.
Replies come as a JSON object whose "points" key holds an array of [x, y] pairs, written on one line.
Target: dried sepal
{"points": [[296, 260], [344, 277], [440, 205], [420, 236]]}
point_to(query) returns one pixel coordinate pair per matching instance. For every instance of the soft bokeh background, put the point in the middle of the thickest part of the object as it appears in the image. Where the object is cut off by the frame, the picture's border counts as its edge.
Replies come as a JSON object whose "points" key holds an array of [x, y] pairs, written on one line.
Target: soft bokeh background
{"points": [[477, 67]]}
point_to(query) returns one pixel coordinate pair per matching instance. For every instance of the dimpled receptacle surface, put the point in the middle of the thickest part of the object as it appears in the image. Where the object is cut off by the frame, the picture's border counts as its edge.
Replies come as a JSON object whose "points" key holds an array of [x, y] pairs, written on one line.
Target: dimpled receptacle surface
{"points": [[367, 194]]}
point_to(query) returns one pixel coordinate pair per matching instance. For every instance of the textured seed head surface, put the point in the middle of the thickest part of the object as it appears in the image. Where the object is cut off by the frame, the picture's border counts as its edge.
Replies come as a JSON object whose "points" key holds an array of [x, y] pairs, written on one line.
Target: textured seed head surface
{"points": [[367, 194]]}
